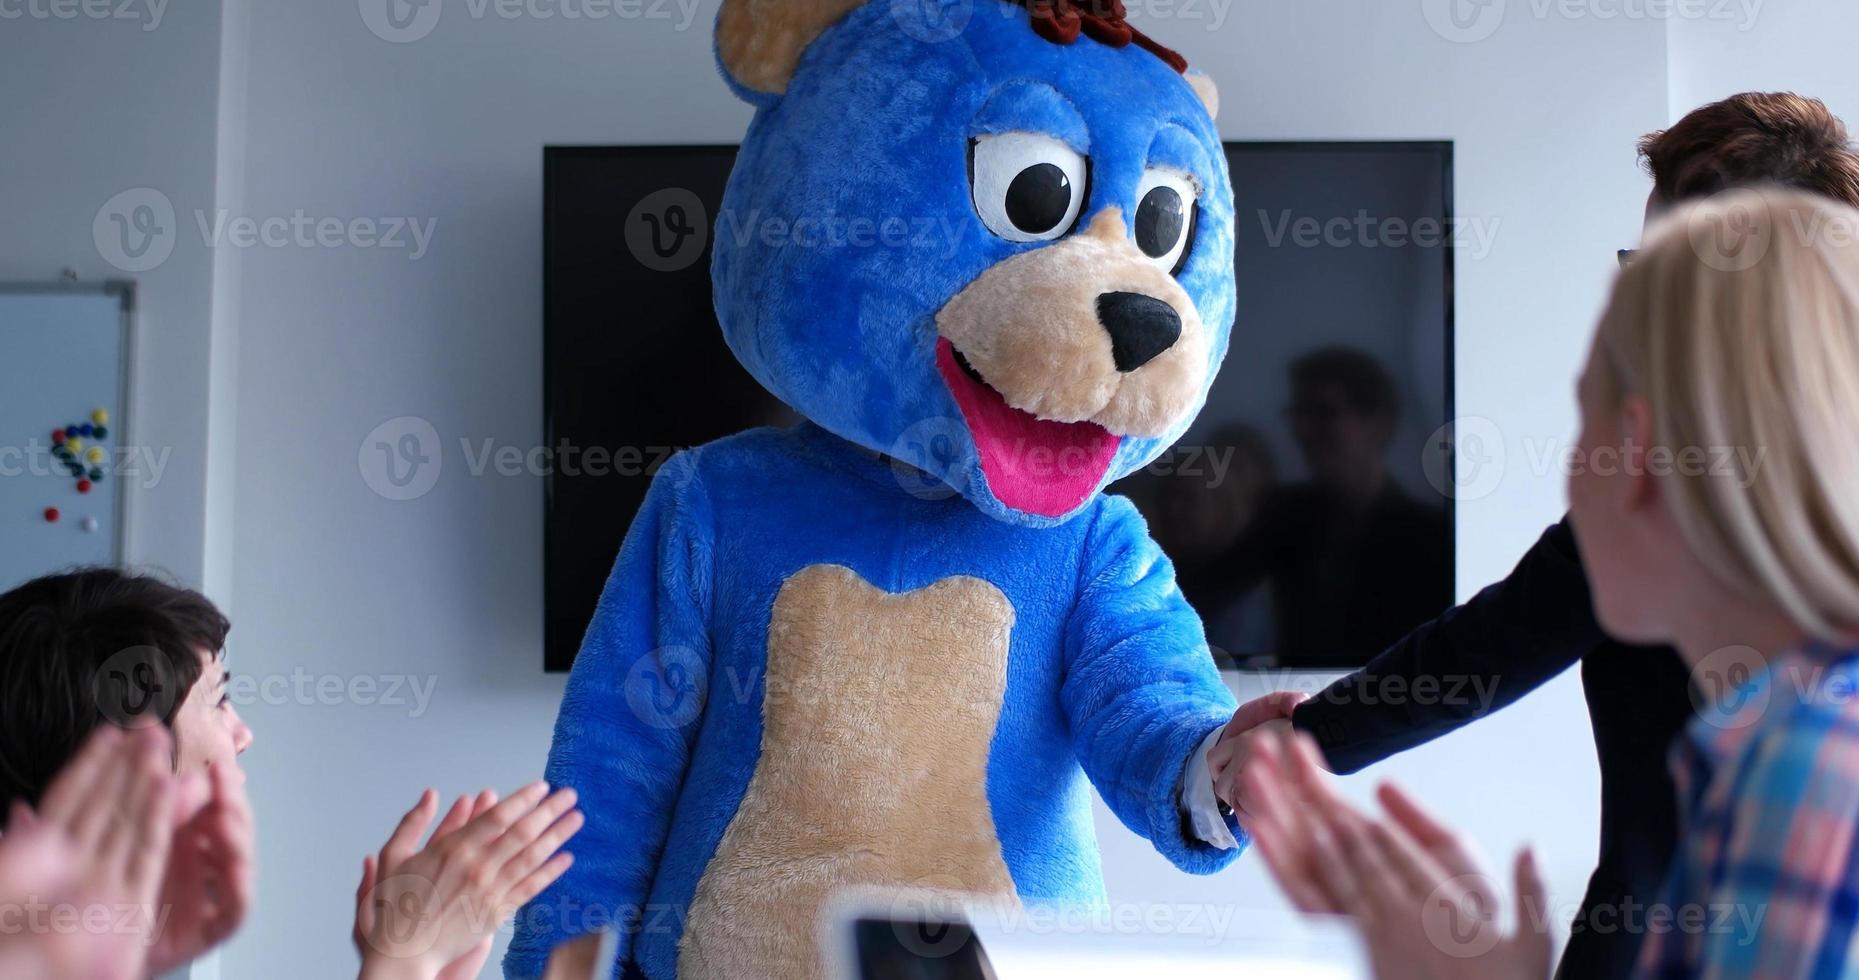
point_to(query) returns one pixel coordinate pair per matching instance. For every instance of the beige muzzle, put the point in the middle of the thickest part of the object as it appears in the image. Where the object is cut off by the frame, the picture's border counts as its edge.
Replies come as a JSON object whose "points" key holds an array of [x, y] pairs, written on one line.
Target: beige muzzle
{"points": [[1031, 327]]}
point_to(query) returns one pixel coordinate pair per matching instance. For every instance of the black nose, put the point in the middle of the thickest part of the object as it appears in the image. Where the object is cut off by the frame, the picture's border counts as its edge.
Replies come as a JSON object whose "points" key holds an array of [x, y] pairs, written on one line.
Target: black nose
{"points": [[1141, 327]]}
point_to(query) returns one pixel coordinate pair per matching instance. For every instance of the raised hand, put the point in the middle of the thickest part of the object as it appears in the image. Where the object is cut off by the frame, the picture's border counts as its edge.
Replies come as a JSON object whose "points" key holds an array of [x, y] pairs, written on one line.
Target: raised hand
{"points": [[471, 963], [429, 910], [112, 811], [1423, 904], [209, 883]]}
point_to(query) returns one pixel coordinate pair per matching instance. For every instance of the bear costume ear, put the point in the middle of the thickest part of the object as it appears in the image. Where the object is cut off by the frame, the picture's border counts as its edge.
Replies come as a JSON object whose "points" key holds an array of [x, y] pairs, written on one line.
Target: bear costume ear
{"points": [[759, 42], [1203, 86]]}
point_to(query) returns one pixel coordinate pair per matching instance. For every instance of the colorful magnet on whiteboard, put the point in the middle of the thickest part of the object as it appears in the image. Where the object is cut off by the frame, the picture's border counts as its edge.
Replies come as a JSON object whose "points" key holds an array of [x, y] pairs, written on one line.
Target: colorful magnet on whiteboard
{"points": [[99, 416], [58, 436], [88, 524], [96, 473], [51, 515], [83, 486], [100, 432], [84, 430], [74, 443], [95, 455]]}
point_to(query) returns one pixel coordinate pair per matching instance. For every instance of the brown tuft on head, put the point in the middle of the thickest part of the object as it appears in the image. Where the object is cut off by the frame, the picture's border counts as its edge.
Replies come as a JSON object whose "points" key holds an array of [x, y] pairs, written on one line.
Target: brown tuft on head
{"points": [[1103, 21]]}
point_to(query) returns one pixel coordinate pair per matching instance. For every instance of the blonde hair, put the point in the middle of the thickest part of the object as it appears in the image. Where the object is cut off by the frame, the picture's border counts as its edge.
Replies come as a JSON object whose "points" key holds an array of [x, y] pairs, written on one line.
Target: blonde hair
{"points": [[1739, 324]]}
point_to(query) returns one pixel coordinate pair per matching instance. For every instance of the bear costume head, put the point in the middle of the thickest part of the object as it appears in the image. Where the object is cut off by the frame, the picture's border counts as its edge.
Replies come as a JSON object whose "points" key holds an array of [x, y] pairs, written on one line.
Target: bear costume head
{"points": [[991, 241]]}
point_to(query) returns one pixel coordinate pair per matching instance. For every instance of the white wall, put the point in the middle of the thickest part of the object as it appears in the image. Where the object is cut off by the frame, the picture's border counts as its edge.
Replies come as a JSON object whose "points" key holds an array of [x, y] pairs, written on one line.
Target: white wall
{"points": [[95, 107], [317, 346], [1804, 46]]}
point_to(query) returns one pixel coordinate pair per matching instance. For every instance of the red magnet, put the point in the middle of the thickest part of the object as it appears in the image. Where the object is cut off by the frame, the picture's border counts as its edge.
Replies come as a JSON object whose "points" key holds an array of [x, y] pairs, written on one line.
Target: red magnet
{"points": [[51, 514], [83, 486], [58, 436]]}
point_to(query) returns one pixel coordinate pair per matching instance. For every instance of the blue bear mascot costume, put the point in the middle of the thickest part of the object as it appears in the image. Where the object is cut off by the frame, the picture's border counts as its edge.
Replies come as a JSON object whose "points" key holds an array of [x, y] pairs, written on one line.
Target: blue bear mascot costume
{"points": [[890, 646]]}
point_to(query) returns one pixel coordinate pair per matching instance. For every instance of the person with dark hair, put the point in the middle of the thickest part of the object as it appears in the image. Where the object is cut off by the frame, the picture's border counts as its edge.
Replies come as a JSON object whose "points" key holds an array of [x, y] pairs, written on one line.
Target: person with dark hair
{"points": [[96, 645], [95, 650], [1519, 633], [1350, 560], [1752, 138], [1342, 414]]}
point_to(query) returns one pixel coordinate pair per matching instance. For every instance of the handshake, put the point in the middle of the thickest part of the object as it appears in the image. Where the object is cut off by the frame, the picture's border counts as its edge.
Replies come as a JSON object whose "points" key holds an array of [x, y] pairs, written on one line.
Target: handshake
{"points": [[1259, 721]]}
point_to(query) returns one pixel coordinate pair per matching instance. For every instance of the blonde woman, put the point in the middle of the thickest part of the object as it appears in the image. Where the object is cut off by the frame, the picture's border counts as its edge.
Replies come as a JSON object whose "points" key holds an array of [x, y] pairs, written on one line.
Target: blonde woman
{"points": [[1715, 499]]}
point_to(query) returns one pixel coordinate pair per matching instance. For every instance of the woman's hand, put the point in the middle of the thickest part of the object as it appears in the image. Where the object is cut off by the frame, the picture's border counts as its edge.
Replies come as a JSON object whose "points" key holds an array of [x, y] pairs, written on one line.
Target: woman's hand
{"points": [[210, 876], [107, 821], [1423, 904], [432, 913], [466, 967]]}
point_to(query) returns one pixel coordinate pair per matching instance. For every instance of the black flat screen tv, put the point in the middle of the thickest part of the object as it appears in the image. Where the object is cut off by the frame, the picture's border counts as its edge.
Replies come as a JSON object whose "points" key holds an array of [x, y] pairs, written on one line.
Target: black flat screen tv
{"points": [[1305, 510]]}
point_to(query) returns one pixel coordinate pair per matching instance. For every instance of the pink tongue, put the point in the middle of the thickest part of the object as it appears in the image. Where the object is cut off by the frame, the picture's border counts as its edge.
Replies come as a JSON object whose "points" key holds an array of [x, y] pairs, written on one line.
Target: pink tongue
{"points": [[1031, 464]]}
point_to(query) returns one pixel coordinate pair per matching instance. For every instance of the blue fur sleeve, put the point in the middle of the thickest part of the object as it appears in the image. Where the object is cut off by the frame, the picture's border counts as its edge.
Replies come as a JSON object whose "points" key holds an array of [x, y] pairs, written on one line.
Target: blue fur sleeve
{"points": [[628, 718], [1141, 689]]}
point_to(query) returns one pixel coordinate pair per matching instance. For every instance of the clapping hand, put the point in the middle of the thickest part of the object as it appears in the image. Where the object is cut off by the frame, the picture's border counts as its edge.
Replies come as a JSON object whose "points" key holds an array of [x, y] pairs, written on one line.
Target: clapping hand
{"points": [[432, 912], [99, 844], [1422, 901], [209, 883]]}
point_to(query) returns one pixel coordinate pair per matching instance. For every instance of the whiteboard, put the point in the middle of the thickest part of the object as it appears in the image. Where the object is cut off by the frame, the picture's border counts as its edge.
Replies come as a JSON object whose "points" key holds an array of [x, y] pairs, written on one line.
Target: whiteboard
{"points": [[64, 354]]}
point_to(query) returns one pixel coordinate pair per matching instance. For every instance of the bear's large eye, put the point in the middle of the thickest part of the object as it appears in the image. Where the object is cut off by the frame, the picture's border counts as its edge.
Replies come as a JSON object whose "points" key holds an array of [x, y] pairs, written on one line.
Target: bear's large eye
{"points": [[1028, 187], [1166, 202]]}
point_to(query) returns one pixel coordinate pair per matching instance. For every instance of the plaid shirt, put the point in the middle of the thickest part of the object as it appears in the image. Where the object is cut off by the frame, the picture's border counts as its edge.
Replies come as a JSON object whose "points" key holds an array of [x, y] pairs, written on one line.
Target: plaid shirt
{"points": [[1765, 880]]}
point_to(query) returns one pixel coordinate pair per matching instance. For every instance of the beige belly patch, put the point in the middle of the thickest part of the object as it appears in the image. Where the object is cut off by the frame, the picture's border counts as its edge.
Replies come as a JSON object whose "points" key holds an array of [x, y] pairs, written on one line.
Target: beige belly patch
{"points": [[878, 712]]}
